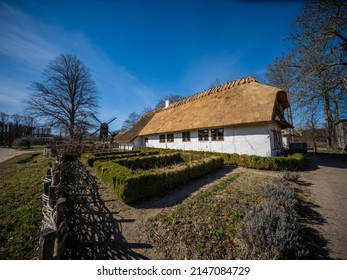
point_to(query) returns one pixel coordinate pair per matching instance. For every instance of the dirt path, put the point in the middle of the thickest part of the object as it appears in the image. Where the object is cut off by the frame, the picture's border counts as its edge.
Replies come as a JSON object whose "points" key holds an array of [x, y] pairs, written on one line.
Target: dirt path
{"points": [[6, 153], [327, 183], [103, 227]]}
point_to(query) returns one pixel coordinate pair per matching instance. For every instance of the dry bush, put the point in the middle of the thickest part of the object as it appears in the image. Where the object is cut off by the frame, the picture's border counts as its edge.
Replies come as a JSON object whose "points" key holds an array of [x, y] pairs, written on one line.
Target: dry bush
{"points": [[271, 230], [291, 176], [282, 195]]}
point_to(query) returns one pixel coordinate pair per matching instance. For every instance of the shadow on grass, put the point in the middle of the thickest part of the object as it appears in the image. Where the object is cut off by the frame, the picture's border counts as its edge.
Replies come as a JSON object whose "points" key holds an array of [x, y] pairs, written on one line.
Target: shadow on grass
{"points": [[93, 232], [176, 196], [28, 158]]}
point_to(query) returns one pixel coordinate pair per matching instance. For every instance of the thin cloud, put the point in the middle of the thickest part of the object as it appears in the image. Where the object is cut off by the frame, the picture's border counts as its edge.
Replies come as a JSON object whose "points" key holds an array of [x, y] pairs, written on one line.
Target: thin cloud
{"points": [[11, 94], [33, 44], [22, 38]]}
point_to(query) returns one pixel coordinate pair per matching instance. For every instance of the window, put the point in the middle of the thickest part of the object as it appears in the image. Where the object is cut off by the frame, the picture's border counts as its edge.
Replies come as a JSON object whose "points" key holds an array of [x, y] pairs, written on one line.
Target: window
{"points": [[203, 135], [146, 140], [217, 134], [162, 138], [170, 137], [186, 136]]}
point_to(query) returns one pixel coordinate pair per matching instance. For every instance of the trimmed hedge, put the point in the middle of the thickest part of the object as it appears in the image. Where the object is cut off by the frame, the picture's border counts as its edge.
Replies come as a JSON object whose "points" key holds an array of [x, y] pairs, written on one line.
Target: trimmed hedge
{"points": [[150, 162], [291, 162], [131, 186], [115, 156]]}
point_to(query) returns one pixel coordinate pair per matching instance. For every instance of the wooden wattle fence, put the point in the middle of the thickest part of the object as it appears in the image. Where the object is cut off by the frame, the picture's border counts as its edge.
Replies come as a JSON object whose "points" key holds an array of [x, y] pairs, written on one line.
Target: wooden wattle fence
{"points": [[53, 229], [75, 149]]}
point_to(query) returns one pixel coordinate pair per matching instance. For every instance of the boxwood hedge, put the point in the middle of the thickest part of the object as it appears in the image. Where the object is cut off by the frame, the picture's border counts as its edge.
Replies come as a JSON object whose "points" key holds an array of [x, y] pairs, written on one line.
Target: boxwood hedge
{"points": [[278, 163], [132, 186]]}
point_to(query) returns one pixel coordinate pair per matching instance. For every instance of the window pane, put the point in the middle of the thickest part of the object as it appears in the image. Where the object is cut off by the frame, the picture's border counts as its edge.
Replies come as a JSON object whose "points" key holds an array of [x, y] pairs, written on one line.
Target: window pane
{"points": [[214, 134], [203, 135], [217, 134], [186, 136], [162, 138], [170, 138]]}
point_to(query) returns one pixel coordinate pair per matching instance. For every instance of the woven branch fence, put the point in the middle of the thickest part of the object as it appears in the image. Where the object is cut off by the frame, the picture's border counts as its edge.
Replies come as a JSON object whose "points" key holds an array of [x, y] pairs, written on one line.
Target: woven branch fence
{"points": [[53, 229], [76, 149]]}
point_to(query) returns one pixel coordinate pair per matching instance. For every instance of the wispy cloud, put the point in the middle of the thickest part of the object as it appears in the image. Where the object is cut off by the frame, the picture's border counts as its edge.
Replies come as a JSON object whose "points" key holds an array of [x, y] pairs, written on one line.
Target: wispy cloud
{"points": [[31, 44], [22, 38], [11, 94]]}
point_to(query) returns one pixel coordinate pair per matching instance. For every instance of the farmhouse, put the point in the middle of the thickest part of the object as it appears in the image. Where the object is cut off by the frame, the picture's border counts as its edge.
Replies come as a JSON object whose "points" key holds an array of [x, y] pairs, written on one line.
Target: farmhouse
{"points": [[243, 117]]}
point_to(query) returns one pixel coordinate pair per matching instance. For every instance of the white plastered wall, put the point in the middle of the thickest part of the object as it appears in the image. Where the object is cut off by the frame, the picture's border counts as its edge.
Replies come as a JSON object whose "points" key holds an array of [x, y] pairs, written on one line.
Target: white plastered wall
{"points": [[250, 140]]}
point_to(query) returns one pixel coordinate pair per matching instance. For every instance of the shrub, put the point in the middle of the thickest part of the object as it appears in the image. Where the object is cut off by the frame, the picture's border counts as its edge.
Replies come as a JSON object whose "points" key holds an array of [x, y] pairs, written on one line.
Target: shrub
{"points": [[153, 182], [150, 162], [131, 186], [284, 196], [271, 230], [114, 156], [291, 162], [26, 142], [291, 176], [270, 163]]}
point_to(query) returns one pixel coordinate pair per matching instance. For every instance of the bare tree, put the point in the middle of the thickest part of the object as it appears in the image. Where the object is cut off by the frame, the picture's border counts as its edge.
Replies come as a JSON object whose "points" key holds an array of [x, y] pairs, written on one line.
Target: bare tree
{"points": [[131, 121], [67, 95], [321, 27], [3, 125], [320, 58]]}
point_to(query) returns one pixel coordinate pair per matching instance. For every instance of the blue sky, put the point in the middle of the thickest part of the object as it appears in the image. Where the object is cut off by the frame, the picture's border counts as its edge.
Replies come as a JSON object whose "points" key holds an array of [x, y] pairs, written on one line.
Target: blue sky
{"points": [[140, 51]]}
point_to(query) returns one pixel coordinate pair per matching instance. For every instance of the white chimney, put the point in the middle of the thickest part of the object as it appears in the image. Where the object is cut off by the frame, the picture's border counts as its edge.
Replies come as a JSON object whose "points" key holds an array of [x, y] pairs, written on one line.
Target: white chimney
{"points": [[167, 103]]}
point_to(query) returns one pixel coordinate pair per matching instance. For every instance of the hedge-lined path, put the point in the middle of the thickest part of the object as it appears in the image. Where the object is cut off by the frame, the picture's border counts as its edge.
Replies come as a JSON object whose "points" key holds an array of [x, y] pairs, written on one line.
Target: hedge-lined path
{"points": [[102, 227], [95, 232], [6, 153], [327, 182]]}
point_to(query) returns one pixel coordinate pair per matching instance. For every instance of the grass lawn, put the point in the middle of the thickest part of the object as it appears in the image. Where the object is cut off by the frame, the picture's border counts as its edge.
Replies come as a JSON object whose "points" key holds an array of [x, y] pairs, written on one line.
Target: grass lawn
{"points": [[207, 225], [20, 205]]}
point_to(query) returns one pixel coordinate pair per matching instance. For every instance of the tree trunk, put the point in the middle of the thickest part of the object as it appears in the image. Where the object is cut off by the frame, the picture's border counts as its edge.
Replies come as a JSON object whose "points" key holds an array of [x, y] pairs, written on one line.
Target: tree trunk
{"points": [[328, 119]]}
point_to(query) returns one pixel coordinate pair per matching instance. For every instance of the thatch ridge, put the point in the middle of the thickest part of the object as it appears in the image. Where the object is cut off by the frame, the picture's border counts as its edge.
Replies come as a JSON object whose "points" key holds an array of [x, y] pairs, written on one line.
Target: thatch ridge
{"points": [[131, 134], [240, 102], [209, 91]]}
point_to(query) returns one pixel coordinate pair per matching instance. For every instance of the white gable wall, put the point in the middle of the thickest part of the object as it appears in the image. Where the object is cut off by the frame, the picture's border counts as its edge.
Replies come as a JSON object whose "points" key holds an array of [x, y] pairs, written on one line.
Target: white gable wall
{"points": [[250, 140], [126, 147]]}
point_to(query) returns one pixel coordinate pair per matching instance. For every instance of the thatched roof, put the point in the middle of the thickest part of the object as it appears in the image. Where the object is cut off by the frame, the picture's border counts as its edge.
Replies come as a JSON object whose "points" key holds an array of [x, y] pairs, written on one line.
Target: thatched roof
{"points": [[130, 135], [244, 101]]}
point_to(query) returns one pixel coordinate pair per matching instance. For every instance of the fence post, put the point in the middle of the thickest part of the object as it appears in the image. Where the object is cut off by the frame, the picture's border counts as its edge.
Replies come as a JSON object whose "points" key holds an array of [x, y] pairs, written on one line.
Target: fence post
{"points": [[46, 244], [60, 211]]}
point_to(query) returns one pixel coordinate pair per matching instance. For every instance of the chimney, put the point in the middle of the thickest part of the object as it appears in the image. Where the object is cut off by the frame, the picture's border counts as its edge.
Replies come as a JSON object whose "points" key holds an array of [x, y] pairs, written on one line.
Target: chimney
{"points": [[167, 103]]}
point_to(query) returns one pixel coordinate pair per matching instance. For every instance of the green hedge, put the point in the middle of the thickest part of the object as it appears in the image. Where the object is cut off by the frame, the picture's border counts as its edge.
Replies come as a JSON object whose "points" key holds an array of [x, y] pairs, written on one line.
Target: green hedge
{"points": [[91, 159], [279, 163], [131, 186], [101, 154], [150, 162], [292, 162]]}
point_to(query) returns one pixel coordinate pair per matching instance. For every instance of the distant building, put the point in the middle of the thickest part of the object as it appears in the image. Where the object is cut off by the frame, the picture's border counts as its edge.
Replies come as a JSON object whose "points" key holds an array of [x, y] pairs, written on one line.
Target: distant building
{"points": [[341, 134], [243, 117]]}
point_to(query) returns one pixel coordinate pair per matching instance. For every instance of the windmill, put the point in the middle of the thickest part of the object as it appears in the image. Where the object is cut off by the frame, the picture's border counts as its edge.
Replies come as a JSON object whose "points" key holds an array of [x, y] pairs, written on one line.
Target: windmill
{"points": [[103, 128]]}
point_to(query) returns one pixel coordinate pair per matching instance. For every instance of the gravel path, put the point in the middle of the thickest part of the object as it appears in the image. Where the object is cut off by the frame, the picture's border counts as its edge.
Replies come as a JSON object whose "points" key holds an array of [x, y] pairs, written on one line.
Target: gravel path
{"points": [[327, 183], [6, 153]]}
